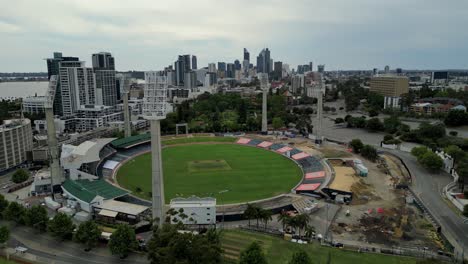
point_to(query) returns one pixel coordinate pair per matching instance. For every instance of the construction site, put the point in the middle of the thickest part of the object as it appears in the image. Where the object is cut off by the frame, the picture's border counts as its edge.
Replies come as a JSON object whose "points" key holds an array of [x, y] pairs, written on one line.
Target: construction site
{"points": [[375, 206]]}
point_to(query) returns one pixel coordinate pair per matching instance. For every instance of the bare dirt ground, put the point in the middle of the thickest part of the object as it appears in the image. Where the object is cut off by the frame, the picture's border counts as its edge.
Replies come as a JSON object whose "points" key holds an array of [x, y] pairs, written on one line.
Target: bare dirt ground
{"points": [[379, 213]]}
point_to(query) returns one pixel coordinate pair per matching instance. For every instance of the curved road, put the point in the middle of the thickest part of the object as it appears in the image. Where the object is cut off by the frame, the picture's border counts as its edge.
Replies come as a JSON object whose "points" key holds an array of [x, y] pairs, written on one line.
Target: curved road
{"points": [[428, 187]]}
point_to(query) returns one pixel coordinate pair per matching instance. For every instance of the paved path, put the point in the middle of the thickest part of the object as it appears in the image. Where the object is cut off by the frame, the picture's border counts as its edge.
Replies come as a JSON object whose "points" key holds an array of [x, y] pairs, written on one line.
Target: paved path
{"points": [[50, 250]]}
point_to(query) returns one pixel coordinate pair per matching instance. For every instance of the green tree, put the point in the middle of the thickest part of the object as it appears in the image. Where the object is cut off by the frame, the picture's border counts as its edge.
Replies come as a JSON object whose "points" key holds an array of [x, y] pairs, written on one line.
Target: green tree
{"points": [[36, 217], [369, 152], [88, 234], [419, 151], [374, 124], [356, 145], [61, 226], [3, 204], [265, 216], [277, 123], [4, 234], [253, 254], [20, 176], [167, 245], [431, 161], [300, 257], [391, 124], [284, 219], [122, 241], [455, 152], [339, 120], [250, 212], [15, 212], [456, 118]]}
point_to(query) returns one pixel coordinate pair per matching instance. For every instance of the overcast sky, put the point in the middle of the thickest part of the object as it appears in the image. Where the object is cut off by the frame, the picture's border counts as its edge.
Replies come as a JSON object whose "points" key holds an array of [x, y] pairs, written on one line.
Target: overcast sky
{"points": [[149, 34]]}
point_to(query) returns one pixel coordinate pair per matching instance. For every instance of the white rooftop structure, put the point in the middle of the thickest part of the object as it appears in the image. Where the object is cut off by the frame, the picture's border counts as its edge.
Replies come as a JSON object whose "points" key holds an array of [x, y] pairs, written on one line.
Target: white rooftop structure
{"points": [[199, 211], [121, 207], [73, 157]]}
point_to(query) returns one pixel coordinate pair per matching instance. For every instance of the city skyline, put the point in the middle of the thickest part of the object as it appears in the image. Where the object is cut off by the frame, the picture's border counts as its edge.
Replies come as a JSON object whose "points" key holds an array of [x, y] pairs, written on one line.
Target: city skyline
{"points": [[148, 35]]}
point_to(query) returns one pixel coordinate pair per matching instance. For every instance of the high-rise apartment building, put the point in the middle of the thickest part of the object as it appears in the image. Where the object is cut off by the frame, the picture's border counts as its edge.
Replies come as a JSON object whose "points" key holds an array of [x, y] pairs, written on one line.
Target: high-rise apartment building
{"points": [[389, 85], [103, 60], [194, 62], [53, 68], [16, 141], [78, 86], [104, 68]]}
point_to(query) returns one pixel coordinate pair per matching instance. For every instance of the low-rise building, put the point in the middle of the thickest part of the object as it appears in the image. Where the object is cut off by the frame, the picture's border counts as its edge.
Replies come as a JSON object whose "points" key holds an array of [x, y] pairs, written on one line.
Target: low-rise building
{"points": [[199, 211], [34, 104]]}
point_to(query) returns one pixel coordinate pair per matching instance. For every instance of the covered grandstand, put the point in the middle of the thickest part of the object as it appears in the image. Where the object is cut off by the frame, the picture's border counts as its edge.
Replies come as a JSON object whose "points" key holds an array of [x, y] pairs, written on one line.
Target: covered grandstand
{"points": [[314, 170]]}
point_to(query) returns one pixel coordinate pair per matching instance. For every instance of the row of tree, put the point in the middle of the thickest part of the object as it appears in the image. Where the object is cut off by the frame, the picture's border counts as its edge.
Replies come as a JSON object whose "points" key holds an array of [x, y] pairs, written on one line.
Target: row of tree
{"points": [[61, 226], [367, 151], [253, 254], [427, 158]]}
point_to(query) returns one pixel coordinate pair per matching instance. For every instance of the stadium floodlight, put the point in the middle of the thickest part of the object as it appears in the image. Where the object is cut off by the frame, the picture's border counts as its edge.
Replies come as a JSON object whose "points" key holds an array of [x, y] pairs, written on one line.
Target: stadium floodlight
{"points": [[263, 77], [154, 109], [154, 102], [56, 175]]}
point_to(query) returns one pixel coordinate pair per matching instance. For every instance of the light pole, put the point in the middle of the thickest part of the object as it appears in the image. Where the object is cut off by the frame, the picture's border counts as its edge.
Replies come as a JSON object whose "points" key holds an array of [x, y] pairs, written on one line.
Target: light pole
{"points": [[154, 110]]}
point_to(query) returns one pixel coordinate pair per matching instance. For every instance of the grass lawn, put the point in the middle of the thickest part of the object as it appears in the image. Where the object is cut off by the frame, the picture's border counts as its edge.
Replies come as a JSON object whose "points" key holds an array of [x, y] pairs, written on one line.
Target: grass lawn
{"points": [[279, 251], [4, 261], [240, 173]]}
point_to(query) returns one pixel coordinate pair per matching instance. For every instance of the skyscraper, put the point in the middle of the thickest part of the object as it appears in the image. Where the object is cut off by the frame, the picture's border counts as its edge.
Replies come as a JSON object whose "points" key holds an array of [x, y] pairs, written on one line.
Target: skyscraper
{"points": [[311, 66], [278, 70], [194, 62], [230, 70], [321, 68], [237, 65], [246, 55], [104, 68], [190, 81], [221, 66], [264, 61], [53, 68], [211, 67], [78, 86], [179, 66], [187, 62], [103, 60]]}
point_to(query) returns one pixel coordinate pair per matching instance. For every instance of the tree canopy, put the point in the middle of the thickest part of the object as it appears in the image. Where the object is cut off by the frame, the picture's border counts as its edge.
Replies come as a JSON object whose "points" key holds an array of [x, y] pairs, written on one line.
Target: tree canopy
{"points": [[20, 176], [253, 254], [88, 234], [61, 226], [123, 241]]}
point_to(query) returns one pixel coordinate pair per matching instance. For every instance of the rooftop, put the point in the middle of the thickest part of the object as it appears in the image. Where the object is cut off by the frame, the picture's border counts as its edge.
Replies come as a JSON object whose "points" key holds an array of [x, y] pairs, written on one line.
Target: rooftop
{"points": [[131, 141], [121, 207], [87, 152], [87, 190], [193, 201]]}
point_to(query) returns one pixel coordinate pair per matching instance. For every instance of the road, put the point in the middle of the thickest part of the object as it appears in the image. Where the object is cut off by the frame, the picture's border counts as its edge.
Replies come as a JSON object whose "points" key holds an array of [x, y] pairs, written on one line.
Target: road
{"points": [[428, 187], [51, 250]]}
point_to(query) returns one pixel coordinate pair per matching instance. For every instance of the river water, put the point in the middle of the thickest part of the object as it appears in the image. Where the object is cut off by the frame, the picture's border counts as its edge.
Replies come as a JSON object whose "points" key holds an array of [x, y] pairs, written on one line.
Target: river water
{"points": [[10, 90]]}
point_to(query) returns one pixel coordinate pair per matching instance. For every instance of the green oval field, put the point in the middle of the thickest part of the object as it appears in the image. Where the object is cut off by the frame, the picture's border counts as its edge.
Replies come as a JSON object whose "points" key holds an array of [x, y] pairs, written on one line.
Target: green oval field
{"points": [[231, 173]]}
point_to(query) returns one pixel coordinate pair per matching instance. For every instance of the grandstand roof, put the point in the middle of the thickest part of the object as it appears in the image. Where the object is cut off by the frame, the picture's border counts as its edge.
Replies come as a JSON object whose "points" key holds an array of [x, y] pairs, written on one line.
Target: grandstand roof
{"points": [[87, 190], [131, 141], [308, 187], [73, 157]]}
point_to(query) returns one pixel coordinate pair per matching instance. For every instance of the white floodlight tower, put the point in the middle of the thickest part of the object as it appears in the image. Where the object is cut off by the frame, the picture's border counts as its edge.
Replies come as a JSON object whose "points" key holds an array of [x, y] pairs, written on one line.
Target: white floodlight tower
{"points": [[56, 174], [154, 109], [318, 92], [125, 82], [263, 77]]}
